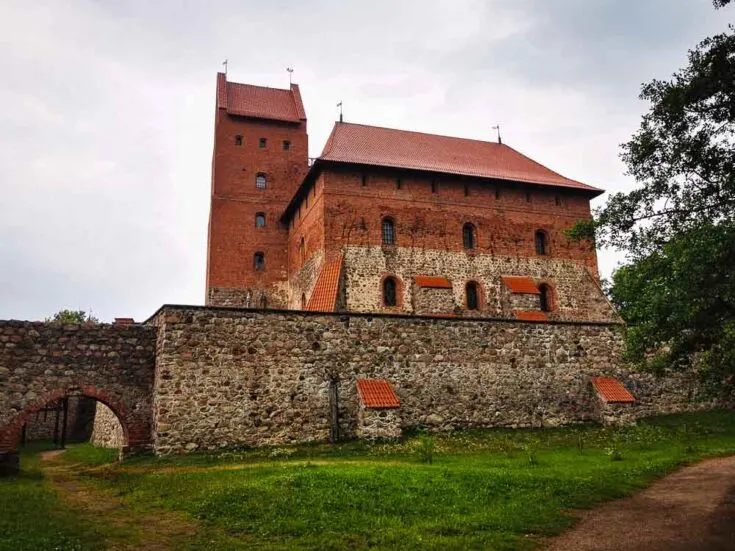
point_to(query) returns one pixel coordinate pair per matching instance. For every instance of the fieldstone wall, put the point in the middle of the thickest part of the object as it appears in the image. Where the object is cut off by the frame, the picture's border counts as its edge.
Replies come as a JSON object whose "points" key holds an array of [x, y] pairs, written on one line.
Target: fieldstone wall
{"points": [[41, 363], [80, 418], [232, 378], [427, 300], [246, 298], [377, 424], [107, 432], [577, 296], [521, 301]]}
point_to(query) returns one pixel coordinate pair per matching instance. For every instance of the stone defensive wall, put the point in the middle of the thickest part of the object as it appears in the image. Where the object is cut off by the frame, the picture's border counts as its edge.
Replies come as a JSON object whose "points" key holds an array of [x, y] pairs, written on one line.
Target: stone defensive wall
{"points": [[229, 377]]}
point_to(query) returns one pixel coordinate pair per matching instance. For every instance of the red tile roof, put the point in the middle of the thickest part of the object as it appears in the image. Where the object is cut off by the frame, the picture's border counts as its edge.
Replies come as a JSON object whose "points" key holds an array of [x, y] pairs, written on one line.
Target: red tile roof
{"points": [[259, 101], [521, 284], [372, 145], [434, 282], [324, 296], [612, 390], [531, 315], [377, 394]]}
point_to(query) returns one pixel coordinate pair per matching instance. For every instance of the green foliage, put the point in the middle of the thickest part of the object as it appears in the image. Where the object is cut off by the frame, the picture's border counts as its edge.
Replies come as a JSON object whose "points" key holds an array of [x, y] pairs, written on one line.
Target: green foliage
{"points": [[679, 303], [426, 449], [359, 495], [67, 317]]}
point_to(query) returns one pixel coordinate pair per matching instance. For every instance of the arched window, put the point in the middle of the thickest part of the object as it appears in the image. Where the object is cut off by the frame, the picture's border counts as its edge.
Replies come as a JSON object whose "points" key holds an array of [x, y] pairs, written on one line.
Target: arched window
{"points": [[258, 261], [468, 236], [261, 181], [545, 297], [389, 291], [541, 243], [260, 220], [303, 301], [389, 234], [473, 296]]}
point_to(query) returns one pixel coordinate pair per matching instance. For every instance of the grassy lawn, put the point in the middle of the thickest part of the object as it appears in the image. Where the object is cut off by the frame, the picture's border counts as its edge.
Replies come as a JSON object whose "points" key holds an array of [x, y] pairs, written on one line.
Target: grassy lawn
{"points": [[491, 489]]}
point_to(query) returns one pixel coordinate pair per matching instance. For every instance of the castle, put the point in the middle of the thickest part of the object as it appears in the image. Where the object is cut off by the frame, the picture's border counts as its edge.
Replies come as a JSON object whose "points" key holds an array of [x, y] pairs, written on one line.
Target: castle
{"points": [[388, 220], [398, 280]]}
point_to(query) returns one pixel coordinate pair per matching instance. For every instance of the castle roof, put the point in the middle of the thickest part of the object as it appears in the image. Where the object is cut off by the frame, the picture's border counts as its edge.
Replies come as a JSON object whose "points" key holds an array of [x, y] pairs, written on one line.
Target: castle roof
{"points": [[260, 102], [373, 145]]}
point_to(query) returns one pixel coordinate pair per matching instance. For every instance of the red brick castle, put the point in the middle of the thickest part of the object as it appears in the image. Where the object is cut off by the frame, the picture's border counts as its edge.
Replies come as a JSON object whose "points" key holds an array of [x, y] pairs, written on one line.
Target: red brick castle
{"points": [[388, 220]]}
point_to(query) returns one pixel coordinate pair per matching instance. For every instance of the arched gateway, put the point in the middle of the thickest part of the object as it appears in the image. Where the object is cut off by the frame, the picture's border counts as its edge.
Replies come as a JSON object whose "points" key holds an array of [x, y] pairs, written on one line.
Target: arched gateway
{"points": [[41, 363]]}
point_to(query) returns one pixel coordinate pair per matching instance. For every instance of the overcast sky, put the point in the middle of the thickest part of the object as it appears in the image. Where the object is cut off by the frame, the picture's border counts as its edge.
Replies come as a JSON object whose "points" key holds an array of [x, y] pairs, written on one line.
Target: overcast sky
{"points": [[107, 113]]}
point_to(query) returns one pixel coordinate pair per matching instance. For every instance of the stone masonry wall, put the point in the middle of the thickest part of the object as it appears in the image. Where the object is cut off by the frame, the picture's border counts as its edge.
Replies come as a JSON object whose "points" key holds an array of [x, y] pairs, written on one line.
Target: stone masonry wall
{"points": [[232, 378], [427, 300], [107, 432], [576, 294]]}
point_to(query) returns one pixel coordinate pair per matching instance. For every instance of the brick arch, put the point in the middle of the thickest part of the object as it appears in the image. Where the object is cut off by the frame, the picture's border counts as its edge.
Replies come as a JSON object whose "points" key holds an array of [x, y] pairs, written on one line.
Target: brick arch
{"points": [[42, 363], [10, 434]]}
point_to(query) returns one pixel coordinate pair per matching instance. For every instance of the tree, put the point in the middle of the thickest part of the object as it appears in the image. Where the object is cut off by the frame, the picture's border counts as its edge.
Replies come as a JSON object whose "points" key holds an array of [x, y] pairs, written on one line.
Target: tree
{"points": [[677, 293], [66, 317]]}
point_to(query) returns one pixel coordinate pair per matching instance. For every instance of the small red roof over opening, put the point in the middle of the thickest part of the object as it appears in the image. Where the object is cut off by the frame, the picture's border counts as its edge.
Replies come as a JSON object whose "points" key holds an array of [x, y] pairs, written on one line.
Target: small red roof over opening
{"points": [[531, 315], [612, 390], [435, 282], [377, 394], [521, 284], [324, 296]]}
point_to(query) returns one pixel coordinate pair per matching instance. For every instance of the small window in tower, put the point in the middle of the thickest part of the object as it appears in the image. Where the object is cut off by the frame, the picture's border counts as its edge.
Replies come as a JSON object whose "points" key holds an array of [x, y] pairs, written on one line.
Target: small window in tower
{"points": [[398, 183], [542, 247], [303, 301], [466, 190], [262, 143], [434, 186], [363, 180], [557, 199], [468, 236], [472, 296], [260, 220], [261, 181], [238, 140], [389, 291], [264, 302], [258, 261], [286, 145], [528, 197], [389, 234], [497, 193]]}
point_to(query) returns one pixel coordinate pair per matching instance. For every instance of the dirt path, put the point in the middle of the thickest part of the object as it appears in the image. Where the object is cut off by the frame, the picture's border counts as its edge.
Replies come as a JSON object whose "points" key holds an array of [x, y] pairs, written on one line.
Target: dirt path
{"points": [[124, 528], [692, 509]]}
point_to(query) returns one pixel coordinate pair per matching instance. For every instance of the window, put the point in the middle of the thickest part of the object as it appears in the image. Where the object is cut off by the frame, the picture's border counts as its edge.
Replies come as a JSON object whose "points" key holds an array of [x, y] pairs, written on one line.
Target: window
{"points": [[473, 301], [262, 143], [389, 234], [302, 250], [557, 199], [303, 301], [466, 190], [434, 186], [497, 193], [261, 182], [389, 291], [260, 220], [258, 261], [398, 183], [468, 236], [541, 245], [264, 301], [238, 140], [286, 145], [545, 297], [528, 197], [363, 181]]}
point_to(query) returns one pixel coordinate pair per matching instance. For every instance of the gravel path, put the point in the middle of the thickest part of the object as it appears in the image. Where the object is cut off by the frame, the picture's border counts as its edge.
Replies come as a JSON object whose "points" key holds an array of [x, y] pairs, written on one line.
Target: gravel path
{"points": [[690, 510]]}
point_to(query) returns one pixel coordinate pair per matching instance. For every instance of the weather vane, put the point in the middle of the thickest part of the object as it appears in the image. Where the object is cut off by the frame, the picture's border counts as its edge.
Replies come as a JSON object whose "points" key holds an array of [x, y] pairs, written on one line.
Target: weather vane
{"points": [[497, 127], [290, 72], [225, 64], [340, 110]]}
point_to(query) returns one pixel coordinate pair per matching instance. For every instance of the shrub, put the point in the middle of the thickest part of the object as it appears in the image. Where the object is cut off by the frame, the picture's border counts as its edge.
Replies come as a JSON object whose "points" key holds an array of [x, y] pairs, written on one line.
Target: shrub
{"points": [[426, 449]]}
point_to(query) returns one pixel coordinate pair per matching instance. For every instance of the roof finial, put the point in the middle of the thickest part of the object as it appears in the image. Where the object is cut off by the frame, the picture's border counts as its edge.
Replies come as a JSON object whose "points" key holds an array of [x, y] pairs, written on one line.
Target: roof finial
{"points": [[289, 70], [497, 127], [340, 110], [225, 64]]}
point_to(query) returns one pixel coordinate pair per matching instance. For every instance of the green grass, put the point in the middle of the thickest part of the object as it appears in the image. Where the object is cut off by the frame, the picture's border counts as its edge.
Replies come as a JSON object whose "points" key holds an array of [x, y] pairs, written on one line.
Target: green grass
{"points": [[485, 489]]}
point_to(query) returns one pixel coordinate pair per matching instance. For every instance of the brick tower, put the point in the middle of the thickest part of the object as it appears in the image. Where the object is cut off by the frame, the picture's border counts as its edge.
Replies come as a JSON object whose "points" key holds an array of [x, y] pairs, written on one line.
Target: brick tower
{"points": [[260, 158]]}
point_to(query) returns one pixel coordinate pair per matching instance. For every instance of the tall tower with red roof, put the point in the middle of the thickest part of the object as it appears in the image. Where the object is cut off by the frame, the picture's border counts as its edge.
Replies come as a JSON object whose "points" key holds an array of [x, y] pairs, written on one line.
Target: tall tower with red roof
{"points": [[260, 158]]}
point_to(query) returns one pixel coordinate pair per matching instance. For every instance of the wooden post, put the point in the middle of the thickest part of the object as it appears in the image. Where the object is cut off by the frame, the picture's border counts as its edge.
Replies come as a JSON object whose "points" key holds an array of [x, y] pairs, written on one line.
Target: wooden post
{"points": [[334, 408], [65, 407], [56, 429]]}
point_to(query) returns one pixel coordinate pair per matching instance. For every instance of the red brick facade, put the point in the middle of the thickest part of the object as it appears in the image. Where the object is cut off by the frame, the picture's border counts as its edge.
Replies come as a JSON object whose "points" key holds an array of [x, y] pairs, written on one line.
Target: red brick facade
{"points": [[433, 189]]}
